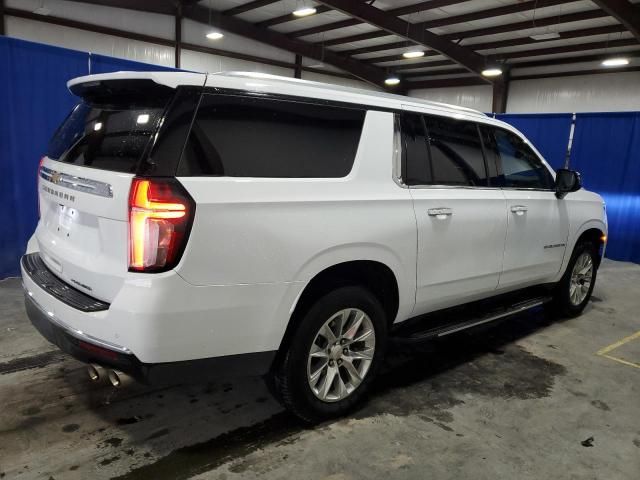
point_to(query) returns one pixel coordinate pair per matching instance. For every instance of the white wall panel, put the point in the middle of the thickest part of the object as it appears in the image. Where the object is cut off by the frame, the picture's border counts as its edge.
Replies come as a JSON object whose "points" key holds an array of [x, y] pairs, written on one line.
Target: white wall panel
{"points": [[89, 42], [318, 77], [478, 97], [203, 62], [120, 18], [584, 93]]}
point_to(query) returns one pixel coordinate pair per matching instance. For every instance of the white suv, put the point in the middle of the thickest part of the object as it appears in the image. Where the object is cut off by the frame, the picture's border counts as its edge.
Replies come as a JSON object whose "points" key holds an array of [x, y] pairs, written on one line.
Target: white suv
{"points": [[196, 226]]}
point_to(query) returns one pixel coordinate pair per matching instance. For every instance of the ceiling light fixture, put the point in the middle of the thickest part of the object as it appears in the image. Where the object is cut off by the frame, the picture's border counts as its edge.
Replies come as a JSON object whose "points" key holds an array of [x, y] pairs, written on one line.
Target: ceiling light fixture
{"points": [[213, 34], [42, 10], [392, 81], [413, 54], [304, 11], [492, 72], [615, 62], [545, 36]]}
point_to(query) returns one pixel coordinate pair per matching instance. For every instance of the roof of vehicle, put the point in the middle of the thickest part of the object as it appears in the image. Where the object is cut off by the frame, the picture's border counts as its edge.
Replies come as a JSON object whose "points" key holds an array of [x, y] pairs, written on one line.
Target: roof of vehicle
{"points": [[266, 83]]}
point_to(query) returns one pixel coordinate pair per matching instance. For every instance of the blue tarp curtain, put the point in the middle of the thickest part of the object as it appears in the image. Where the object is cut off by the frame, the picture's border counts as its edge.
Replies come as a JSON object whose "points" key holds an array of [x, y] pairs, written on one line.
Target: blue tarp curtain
{"points": [[33, 101], [606, 151]]}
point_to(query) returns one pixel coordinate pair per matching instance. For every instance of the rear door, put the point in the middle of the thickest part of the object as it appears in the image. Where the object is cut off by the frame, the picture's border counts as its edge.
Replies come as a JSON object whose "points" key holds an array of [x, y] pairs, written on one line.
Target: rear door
{"points": [[538, 222], [84, 182], [460, 217]]}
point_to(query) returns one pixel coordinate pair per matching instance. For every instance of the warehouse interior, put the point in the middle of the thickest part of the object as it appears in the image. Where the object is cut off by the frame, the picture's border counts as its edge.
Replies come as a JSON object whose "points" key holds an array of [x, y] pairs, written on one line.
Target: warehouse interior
{"points": [[532, 397]]}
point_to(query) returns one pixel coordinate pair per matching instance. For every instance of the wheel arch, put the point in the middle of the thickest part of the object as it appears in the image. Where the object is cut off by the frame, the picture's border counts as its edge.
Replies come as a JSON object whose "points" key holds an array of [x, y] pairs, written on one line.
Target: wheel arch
{"points": [[592, 230], [374, 275]]}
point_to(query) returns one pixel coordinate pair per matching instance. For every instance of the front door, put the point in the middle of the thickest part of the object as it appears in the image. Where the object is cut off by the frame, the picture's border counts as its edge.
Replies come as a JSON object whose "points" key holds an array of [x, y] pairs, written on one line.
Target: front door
{"points": [[538, 223]]}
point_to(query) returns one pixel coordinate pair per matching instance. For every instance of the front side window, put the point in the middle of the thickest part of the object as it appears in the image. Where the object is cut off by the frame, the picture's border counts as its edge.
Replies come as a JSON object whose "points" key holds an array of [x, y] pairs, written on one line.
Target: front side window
{"points": [[455, 152], [238, 136], [521, 167]]}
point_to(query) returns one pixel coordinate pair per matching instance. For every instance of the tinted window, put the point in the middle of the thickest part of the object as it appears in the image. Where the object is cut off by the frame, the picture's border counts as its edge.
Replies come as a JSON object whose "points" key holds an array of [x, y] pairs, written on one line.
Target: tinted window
{"points": [[455, 152], [105, 137], [491, 155], [521, 167], [247, 137], [415, 159]]}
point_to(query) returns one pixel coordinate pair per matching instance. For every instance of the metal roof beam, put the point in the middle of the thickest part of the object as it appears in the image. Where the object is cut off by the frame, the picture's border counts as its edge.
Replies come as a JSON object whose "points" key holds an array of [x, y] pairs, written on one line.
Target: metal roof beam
{"points": [[625, 12], [413, 32]]}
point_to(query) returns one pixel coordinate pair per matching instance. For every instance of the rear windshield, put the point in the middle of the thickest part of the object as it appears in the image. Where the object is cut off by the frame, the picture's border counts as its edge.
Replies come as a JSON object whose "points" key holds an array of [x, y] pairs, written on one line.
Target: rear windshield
{"points": [[105, 136]]}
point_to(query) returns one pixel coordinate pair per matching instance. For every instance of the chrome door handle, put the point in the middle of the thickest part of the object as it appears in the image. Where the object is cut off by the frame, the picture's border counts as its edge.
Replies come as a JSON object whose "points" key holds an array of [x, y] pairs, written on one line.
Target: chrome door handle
{"points": [[519, 209], [440, 212]]}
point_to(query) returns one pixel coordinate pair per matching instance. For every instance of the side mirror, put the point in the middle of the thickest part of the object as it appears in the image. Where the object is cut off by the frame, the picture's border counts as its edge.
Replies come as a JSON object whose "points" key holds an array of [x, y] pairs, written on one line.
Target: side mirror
{"points": [[567, 181]]}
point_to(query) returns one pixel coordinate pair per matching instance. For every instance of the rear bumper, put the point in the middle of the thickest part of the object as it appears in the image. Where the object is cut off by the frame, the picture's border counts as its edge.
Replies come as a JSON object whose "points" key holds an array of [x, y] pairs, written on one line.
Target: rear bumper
{"points": [[77, 344], [92, 350], [69, 329]]}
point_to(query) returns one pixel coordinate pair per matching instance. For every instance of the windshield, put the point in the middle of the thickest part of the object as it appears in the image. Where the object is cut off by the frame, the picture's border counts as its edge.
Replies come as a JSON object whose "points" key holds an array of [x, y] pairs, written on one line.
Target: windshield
{"points": [[104, 136]]}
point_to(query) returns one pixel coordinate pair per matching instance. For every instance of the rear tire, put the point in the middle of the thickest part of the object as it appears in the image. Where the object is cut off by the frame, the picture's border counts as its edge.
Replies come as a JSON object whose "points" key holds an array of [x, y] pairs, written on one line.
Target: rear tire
{"points": [[333, 355], [576, 286]]}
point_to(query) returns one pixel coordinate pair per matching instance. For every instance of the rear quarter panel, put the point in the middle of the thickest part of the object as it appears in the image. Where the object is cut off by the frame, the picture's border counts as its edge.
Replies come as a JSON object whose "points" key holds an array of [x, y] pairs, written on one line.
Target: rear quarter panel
{"points": [[263, 231]]}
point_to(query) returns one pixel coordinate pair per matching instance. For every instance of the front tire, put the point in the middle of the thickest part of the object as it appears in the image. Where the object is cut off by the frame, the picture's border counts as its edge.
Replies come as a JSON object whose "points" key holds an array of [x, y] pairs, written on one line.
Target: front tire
{"points": [[576, 286], [333, 355]]}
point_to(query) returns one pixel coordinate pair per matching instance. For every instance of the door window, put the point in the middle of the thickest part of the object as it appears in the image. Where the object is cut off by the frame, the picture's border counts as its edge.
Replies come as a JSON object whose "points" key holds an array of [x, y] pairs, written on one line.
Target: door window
{"points": [[521, 167], [455, 152]]}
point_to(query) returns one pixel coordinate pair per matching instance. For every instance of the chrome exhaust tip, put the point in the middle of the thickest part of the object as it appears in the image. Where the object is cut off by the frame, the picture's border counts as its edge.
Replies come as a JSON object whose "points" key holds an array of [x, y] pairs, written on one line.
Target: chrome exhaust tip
{"points": [[119, 379], [96, 372]]}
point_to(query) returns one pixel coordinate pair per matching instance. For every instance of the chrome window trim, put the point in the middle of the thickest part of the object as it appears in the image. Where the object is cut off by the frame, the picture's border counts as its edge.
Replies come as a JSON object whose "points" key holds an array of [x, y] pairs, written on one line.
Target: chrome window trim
{"points": [[451, 187], [478, 188], [80, 184], [397, 153]]}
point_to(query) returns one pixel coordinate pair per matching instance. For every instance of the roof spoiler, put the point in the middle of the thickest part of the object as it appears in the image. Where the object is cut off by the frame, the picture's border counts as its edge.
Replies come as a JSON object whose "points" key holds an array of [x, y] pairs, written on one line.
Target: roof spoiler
{"points": [[117, 91], [136, 86]]}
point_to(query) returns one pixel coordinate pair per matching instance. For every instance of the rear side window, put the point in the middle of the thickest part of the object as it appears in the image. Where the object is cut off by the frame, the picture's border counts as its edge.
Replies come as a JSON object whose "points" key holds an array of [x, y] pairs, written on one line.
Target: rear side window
{"points": [[237, 136], [521, 167], [455, 152], [108, 137]]}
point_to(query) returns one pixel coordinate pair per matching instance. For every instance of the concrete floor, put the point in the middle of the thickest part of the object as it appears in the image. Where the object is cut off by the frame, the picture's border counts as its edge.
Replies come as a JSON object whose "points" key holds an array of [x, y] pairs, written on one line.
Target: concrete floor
{"points": [[517, 401]]}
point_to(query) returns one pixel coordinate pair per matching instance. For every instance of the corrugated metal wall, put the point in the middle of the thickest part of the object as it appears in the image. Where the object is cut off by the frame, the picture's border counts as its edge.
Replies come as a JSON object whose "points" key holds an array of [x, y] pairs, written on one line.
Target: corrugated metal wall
{"points": [[478, 97], [611, 92]]}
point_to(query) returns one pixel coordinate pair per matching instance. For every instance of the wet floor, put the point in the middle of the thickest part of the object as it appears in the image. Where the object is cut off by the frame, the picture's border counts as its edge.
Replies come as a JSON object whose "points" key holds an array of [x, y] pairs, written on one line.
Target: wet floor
{"points": [[514, 401]]}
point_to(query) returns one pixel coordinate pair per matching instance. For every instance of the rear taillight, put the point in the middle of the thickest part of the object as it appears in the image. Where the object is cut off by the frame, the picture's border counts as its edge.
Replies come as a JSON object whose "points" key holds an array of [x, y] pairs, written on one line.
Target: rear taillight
{"points": [[160, 216]]}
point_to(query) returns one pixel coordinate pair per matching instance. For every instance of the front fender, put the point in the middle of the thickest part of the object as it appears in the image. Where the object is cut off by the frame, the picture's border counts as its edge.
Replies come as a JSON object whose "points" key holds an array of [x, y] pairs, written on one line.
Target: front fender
{"points": [[574, 235]]}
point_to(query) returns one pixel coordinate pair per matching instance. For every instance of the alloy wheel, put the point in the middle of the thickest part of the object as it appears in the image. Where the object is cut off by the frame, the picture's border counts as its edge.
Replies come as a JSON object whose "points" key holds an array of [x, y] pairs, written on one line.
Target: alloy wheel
{"points": [[581, 277], [341, 355]]}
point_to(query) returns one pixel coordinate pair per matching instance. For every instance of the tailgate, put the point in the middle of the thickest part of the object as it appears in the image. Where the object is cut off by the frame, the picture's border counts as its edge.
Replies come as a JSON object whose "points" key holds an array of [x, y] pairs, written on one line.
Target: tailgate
{"points": [[84, 183], [82, 233]]}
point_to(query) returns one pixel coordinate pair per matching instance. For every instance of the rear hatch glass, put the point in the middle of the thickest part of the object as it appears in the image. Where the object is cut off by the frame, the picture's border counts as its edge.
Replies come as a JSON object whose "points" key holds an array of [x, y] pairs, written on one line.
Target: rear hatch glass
{"points": [[108, 137]]}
